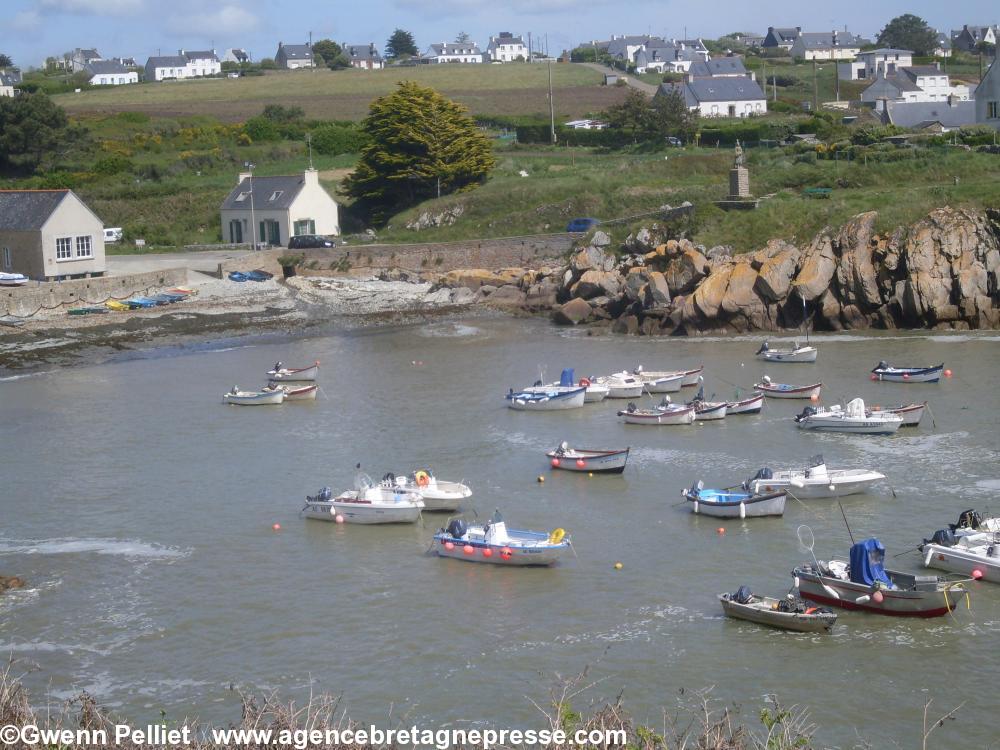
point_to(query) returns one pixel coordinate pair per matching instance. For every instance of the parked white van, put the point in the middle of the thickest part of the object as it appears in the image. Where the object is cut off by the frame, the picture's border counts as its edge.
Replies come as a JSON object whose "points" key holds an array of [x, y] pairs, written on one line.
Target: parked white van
{"points": [[112, 234]]}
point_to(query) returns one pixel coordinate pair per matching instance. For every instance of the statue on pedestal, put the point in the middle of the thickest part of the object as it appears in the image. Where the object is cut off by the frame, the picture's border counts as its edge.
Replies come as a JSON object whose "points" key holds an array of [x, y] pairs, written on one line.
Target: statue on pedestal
{"points": [[738, 160]]}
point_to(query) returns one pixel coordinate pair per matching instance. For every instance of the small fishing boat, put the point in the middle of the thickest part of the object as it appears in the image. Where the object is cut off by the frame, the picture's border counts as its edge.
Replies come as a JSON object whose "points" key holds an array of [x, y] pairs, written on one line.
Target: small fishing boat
{"points": [[660, 382], [796, 353], [254, 398], [595, 391], [886, 372], [788, 614], [546, 398], [663, 414], [911, 413], [622, 385], [734, 502], [238, 276], [494, 543], [117, 306], [852, 418], [784, 390], [751, 405], [814, 481], [975, 554], [136, 303], [862, 583], [299, 392], [13, 279], [587, 460], [88, 311], [438, 494], [280, 373], [369, 504], [688, 377], [258, 275], [182, 290]]}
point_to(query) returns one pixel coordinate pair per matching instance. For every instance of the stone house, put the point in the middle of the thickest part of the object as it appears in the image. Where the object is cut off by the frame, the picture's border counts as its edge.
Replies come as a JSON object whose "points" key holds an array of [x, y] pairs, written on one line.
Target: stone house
{"points": [[294, 56], [364, 56], [988, 97], [915, 83], [780, 38], [49, 235]]}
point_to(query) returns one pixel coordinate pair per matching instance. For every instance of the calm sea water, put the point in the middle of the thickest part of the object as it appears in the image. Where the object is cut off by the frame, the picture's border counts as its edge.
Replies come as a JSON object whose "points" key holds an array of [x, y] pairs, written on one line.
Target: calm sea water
{"points": [[140, 510]]}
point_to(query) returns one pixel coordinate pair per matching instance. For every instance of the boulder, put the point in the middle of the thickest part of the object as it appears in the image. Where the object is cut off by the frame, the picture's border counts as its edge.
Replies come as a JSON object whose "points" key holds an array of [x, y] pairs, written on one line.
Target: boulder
{"points": [[486, 290], [595, 283], [684, 272], [507, 296], [590, 258], [707, 298], [635, 280], [572, 313], [657, 292], [719, 252], [600, 239], [11, 582], [462, 296], [628, 324], [857, 278], [739, 294], [816, 269], [473, 278], [774, 279], [541, 296]]}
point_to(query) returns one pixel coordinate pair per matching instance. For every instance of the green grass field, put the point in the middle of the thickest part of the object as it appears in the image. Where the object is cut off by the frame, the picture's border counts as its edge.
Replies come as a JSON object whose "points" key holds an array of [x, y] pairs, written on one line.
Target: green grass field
{"points": [[345, 94]]}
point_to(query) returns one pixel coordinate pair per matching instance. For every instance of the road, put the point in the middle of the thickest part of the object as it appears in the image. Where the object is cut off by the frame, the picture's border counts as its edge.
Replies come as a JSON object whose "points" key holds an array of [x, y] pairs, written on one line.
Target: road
{"points": [[646, 88], [206, 261]]}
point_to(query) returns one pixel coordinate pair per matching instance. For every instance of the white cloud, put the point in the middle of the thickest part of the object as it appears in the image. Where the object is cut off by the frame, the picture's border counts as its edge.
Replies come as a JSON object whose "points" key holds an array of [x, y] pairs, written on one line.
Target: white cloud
{"points": [[232, 18], [92, 7], [26, 20]]}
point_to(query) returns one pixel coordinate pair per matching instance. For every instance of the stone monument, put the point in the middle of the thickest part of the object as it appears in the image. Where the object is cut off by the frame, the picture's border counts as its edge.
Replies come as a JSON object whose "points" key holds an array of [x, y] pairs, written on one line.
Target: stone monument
{"points": [[739, 177]]}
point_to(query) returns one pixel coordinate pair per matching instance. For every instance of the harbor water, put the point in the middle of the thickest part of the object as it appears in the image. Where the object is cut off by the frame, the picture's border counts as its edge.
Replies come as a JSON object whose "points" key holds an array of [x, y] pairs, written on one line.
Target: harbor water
{"points": [[140, 510]]}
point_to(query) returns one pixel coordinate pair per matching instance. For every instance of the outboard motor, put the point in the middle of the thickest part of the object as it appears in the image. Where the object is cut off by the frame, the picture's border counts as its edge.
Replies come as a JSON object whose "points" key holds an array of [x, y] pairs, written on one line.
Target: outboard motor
{"points": [[882, 365], [536, 383], [742, 595], [807, 412], [389, 478], [968, 519], [763, 348], [457, 528], [944, 537], [631, 407]]}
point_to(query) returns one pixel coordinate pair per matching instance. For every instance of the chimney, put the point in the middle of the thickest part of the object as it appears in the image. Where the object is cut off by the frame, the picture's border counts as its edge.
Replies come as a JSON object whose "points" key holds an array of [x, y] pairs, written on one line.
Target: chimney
{"points": [[311, 177], [280, 45], [243, 176], [798, 29], [834, 37]]}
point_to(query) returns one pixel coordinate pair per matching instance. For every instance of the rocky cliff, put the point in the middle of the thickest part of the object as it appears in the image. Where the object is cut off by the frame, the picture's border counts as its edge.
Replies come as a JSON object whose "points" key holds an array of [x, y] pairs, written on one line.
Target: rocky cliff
{"points": [[938, 273]]}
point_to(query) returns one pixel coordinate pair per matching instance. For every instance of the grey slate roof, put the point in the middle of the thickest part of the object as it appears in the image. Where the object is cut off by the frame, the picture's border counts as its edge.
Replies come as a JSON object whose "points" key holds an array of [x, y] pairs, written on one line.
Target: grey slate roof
{"points": [[886, 51], [263, 189], [918, 71], [167, 61], [888, 88], [200, 55], [703, 90], [824, 39], [922, 114], [720, 66], [105, 67], [25, 210], [297, 51], [8, 79], [362, 52], [454, 48]]}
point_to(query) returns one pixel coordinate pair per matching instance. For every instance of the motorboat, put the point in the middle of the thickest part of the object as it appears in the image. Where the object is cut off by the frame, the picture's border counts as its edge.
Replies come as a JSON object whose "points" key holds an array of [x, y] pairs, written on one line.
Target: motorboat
{"points": [[596, 392], [688, 377], [862, 583], [546, 398], [785, 390], [852, 418], [622, 385], [254, 398], [438, 494], [660, 382], [911, 413], [370, 503], [281, 374], [975, 555], [494, 543], [751, 405], [588, 460], [891, 374], [13, 279], [789, 613], [972, 522], [797, 353], [734, 502], [299, 391], [663, 414], [814, 481]]}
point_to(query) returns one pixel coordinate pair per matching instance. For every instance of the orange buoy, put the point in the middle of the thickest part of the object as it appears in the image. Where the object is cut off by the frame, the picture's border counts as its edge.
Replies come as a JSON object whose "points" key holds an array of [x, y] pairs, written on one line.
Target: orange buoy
{"points": [[276, 527]]}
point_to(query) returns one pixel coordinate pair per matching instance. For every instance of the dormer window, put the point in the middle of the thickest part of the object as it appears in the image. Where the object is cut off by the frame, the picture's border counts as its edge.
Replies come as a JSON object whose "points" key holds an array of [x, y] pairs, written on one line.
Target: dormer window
{"points": [[242, 197], [276, 194]]}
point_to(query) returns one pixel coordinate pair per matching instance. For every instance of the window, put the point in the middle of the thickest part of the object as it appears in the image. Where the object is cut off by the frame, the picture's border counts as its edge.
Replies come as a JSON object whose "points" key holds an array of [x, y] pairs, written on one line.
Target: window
{"points": [[8, 262], [992, 110], [241, 197], [305, 226], [64, 248], [84, 248], [276, 194]]}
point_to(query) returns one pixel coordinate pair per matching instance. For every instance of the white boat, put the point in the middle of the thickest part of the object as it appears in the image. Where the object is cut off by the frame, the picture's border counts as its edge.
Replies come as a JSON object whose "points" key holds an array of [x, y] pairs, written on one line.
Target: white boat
{"points": [[622, 385], [494, 543], [852, 418], [280, 373], [254, 398], [976, 555], [814, 481], [885, 371], [688, 377], [298, 392], [734, 502], [660, 382], [370, 503], [588, 460], [706, 411], [663, 414], [911, 413], [788, 613], [796, 353], [595, 391], [438, 494], [546, 398], [784, 390], [13, 279], [751, 405]]}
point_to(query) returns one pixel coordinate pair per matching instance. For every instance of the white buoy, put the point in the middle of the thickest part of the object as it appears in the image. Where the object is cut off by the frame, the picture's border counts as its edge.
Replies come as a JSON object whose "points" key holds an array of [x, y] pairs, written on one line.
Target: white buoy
{"points": [[743, 510], [798, 483], [830, 591], [927, 557], [695, 506], [863, 599], [832, 488]]}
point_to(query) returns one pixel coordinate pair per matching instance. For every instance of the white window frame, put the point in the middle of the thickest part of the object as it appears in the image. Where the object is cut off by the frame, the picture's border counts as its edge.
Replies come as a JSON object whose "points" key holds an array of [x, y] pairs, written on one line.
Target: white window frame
{"points": [[64, 249], [992, 110], [84, 246]]}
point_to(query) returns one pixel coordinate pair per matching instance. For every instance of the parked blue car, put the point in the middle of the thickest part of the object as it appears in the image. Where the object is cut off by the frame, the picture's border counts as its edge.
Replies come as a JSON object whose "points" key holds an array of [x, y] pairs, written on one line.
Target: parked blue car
{"points": [[582, 225]]}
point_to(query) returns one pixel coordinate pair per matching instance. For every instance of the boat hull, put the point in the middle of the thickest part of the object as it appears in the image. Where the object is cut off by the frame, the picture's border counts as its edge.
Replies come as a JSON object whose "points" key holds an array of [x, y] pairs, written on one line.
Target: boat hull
{"points": [[657, 417], [370, 513], [803, 355], [834, 484], [935, 602], [911, 413], [964, 559], [775, 390], [518, 557], [444, 496], [751, 405], [711, 412], [690, 377], [255, 399], [625, 391], [596, 462], [752, 507], [909, 374], [289, 375], [853, 426], [305, 393], [818, 622], [538, 401], [595, 394], [667, 383]]}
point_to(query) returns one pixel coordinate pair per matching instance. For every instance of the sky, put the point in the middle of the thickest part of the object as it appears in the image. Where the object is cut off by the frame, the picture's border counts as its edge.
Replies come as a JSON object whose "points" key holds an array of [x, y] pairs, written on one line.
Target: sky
{"points": [[35, 29]]}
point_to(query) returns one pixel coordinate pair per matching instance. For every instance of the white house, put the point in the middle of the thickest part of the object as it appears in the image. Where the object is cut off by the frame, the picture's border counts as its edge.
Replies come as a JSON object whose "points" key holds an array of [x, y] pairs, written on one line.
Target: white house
{"points": [[236, 55], [720, 97], [453, 52], [195, 64], [364, 56], [294, 56], [825, 45], [49, 234], [968, 38], [915, 83], [8, 83], [988, 97], [867, 65], [272, 209], [507, 48], [202, 63], [110, 73], [932, 117]]}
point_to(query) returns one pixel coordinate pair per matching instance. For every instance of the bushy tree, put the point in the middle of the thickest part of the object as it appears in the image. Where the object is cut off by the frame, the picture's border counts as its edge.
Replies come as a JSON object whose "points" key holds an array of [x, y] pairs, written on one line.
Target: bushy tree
{"points": [[326, 50], [634, 115], [462, 38], [33, 131], [5, 61], [401, 44], [908, 32], [671, 116], [421, 145]]}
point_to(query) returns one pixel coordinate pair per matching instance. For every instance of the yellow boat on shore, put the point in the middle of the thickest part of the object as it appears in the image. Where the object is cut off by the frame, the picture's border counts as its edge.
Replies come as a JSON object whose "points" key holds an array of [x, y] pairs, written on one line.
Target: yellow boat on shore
{"points": [[116, 305]]}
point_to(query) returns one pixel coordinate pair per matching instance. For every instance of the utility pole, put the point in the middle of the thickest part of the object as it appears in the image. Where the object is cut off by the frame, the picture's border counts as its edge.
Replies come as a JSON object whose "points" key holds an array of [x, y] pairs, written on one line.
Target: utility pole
{"points": [[253, 223], [552, 108], [815, 88], [836, 76], [529, 46]]}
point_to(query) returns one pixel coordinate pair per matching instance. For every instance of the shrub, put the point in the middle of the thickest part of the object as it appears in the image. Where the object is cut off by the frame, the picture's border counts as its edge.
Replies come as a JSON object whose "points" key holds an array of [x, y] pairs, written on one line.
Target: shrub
{"points": [[332, 139], [261, 129], [112, 164]]}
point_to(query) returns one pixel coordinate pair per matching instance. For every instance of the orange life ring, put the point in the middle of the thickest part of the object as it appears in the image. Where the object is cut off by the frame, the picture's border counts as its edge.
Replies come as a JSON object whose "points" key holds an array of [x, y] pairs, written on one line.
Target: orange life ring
{"points": [[422, 478], [584, 382]]}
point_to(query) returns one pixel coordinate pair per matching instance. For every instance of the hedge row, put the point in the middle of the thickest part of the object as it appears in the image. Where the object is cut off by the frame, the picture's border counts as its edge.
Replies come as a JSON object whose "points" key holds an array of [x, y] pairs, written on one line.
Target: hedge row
{"points": [[573, 137]]}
